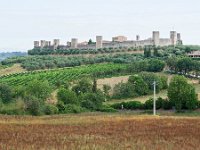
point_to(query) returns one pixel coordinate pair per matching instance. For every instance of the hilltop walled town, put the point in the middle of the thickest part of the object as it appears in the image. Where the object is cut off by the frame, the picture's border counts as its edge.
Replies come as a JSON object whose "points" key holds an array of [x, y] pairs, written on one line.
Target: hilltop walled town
{"points": [[118, 41]]}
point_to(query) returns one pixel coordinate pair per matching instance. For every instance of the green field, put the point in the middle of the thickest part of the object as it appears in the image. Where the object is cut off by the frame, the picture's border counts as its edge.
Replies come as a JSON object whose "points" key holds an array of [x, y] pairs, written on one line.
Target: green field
{"points": [[65, 74]]}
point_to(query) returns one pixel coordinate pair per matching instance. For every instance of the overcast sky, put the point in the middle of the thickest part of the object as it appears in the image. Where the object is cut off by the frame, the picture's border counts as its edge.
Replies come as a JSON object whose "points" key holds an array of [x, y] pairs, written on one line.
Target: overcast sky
{"points": [[23, 21]]}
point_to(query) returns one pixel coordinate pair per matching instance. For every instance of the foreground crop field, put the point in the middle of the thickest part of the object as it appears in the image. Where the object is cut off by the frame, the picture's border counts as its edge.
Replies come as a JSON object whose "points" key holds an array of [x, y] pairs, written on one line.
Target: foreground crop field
{"points": [[98, 131]]}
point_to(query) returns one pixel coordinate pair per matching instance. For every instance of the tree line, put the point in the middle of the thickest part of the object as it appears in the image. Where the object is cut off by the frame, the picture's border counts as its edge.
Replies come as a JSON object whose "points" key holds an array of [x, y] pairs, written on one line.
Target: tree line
{"points": [[183, 65], [181, 96], [46, 51]]}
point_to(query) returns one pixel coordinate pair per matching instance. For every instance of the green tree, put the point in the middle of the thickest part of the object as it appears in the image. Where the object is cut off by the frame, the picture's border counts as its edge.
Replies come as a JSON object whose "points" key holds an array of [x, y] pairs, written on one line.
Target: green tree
{"points": [[90, 42], [181, 94], [106, 90], [138, 66], [155, 52], [34, 106], [124, 90], [94, 86], [147, 52], [185, 65], [93, 101], [149, 78], [38, 89], [67, 96], [155, 65], [5, 93], [196, 67], [191, 100], [141, 88], [83, 86], [172, 63]]}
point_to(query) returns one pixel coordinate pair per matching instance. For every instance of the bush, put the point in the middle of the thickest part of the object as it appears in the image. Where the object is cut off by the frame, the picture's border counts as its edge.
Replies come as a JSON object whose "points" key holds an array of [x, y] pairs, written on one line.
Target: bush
{"points": [[159, 103], [92, 101], [124, 90], [155, 65], [5, 93], [133, 105], [181, 94], [61, 106], [141, 88], [34, 106], [148, 104], [164, 82], [167, 105], [38, 89], [69, 108], [198, 104], [83, 86], [67, 96], [149, 78], [50, 109], [107, 109], [117, 105], [73, 109], [13, 108]]}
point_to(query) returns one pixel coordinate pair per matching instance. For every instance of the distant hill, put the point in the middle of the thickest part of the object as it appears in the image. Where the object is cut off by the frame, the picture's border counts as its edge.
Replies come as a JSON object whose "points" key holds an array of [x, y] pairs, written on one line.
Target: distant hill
{"points": [[11, 54]]}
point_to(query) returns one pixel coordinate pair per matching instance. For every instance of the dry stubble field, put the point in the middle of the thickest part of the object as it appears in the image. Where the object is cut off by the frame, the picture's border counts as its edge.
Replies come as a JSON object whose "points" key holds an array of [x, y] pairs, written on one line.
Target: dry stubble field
{"points": [[99, 131]]}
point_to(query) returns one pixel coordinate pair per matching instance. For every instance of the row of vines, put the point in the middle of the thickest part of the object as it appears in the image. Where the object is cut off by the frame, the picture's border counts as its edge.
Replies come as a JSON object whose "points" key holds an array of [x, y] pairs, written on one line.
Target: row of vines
{"points": [[66, 74]]}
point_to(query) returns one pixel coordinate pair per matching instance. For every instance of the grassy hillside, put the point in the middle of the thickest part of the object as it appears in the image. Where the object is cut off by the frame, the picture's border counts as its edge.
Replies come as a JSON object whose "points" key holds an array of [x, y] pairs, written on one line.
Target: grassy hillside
{"points": [[16, 68]]}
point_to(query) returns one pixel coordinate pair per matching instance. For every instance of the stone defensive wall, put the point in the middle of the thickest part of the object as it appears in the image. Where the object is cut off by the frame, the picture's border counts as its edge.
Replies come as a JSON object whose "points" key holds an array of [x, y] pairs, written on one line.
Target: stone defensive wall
{"points": [[119, 41]]}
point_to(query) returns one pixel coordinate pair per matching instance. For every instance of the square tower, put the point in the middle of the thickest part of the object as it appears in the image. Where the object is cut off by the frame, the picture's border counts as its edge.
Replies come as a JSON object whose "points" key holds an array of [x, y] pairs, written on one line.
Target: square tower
{"points": [[36, 44], [74, 43], [99, 42], [137, 37], [156, 38], [47, 43], [173, 37], [56, 43], [42, 44]]}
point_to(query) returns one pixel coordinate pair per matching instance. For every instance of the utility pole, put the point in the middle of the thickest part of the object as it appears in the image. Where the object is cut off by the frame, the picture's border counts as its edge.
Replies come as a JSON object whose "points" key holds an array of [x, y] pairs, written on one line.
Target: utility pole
{"points": [[154, 98]]}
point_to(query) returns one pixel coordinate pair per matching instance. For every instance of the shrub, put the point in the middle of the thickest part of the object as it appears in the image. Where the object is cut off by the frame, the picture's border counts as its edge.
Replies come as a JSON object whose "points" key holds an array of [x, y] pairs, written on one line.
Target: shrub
{"points": [[149, 78], [124, 90], [155, 65], [5, 93], [83, 86], [166, 104], [181, 94], [50, 109], [38, 89], [159, 103], [117, 105], [148, 104], [13, 108], [198, 104], [141, 88], [107, 109], [34, 106], [71, 108], [67, 96], [92, 101], [133, 105], [164, 82], [61, 106]]}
